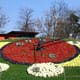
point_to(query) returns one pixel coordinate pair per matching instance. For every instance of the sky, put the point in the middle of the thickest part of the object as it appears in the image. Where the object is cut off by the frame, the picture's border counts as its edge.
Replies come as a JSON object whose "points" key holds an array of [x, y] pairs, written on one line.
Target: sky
{"points": [[12, 8]]}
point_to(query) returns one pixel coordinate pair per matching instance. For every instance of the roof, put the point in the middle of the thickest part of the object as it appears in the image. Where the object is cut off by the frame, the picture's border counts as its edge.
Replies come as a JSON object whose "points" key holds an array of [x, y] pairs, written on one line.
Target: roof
{"points": [[22, 32], [19, 33]]}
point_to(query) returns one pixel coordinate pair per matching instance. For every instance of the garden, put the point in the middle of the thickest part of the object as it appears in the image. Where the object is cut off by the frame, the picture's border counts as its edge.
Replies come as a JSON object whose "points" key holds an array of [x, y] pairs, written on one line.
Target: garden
{"points": [[54, 60]]}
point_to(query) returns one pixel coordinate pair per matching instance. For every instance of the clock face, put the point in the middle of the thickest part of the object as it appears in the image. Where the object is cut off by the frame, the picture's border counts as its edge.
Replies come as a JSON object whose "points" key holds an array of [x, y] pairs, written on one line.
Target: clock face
{"points": [[38, 51]]}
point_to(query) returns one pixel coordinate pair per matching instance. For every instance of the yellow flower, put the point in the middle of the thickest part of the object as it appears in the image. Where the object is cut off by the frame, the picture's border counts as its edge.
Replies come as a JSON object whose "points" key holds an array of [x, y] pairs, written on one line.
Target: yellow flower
{"points": [[73, 63], [3, 44]]}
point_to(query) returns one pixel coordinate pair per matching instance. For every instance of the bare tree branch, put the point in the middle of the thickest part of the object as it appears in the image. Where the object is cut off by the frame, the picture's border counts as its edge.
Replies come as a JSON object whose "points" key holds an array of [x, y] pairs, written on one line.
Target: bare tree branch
{"points": [[26, 21]]}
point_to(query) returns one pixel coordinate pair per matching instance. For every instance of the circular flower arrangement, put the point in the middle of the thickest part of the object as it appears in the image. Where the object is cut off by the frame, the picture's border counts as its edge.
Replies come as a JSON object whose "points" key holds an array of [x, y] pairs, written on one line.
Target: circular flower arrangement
{"points": [[3, 67], [45, 70]]}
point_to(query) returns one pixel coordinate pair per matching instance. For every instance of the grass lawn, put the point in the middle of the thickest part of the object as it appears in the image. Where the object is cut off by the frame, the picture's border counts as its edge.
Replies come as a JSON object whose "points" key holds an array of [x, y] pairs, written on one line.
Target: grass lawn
{"points": [[18, 72]]}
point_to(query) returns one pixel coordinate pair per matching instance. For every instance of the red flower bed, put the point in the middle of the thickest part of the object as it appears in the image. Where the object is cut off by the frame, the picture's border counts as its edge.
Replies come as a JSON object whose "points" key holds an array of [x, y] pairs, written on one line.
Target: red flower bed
{"points": [[25, 51]]}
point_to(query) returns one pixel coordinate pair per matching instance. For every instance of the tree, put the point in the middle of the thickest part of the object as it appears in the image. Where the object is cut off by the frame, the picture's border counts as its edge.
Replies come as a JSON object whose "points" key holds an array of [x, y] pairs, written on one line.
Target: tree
{"points": [[60, 21], [3, 20], [60, 31], [74, 24], [26, 22], [49, 23], [39, 23], [57, 11]]}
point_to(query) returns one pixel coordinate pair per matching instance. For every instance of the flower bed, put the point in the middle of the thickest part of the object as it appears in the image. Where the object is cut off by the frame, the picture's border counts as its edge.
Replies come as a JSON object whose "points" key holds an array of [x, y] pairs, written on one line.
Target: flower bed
{"points": [[77, 43], [3, 67], [45, 70], [52, 51], [3, 44], [72, 63]]}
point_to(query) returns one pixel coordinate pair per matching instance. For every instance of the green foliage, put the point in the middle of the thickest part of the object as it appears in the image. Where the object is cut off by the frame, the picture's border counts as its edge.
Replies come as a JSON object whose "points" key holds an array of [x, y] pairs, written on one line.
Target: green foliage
{"points": [[74, 24], [74, 17]]}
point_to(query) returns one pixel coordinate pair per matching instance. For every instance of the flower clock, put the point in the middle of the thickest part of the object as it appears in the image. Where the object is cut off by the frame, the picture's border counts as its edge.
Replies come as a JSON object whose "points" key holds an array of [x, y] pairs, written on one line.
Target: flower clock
{"points": [[45, 70], [36, 51]]}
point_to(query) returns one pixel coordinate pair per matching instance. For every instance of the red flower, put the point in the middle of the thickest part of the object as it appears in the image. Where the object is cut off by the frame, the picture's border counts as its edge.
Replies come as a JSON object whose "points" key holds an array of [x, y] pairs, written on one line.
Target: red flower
{"points": [[24, 53]]}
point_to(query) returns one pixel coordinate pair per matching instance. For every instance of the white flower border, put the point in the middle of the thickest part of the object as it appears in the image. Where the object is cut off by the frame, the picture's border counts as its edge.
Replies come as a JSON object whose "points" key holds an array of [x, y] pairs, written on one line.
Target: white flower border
{"points": [[77, 43], [3, 67], [45, 70]]}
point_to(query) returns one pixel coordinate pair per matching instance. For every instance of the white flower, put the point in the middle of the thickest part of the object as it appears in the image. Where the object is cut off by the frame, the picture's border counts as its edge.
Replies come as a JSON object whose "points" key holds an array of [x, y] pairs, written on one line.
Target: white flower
{"points": [[77, 44], [45, 70], [70, 42], [3, 67]]}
